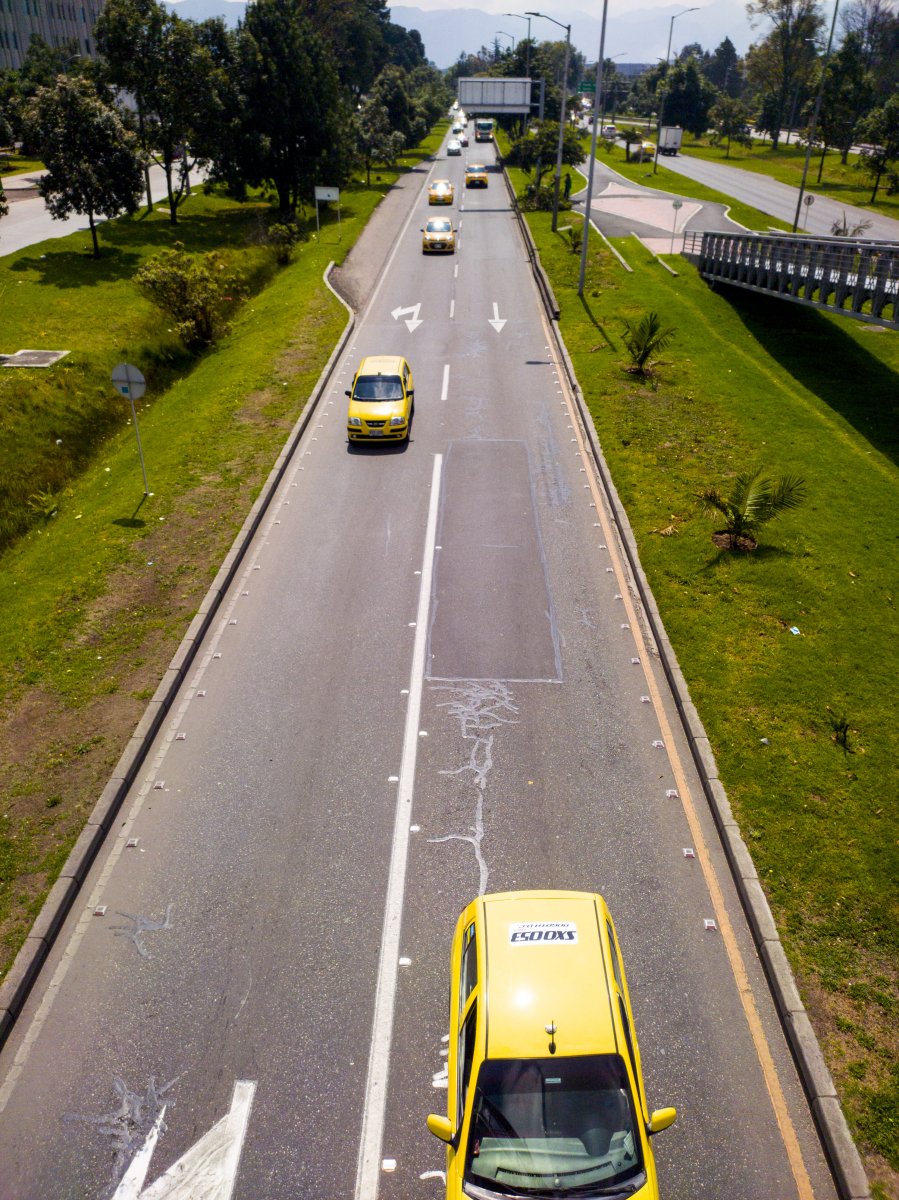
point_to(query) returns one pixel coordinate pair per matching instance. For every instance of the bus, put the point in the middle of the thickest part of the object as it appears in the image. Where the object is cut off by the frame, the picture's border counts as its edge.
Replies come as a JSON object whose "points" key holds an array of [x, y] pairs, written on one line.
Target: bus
{"points": [[483, 130]]}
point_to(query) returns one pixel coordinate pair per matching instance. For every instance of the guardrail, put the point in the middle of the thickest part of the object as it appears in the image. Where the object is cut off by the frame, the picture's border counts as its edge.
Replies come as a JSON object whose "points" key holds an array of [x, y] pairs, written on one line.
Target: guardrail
{"points": [[855, 278]]}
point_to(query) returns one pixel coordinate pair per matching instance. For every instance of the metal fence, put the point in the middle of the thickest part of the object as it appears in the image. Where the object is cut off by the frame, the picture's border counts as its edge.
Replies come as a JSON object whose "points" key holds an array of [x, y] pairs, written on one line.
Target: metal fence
{"points": [[855, 278]]}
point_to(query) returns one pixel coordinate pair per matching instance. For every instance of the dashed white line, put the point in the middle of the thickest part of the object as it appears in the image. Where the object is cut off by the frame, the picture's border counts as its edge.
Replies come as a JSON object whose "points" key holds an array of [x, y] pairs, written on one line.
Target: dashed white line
{"points": [[444, 391]]}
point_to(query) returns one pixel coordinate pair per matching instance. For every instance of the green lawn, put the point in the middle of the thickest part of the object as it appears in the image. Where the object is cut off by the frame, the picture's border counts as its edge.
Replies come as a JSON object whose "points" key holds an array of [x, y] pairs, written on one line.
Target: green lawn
{"points": [[98, 591], [842, 183], [16, 164], [750, 381]]}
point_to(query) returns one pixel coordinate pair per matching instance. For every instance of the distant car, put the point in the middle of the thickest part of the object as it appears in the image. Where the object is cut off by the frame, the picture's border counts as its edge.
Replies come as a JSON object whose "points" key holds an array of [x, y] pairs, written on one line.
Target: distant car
{"points": [[545, 1091], [382, 400], [441, 191], [454, 146], [458, 127], [463, 138], [476, 175], [438, 236], [610, 131]]}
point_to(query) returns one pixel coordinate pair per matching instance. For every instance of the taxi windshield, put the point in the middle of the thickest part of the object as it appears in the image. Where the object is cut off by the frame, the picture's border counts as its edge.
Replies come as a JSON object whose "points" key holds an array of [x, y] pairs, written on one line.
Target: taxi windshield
{"points": [[378, 387], [554, 1127], [439, 227]]}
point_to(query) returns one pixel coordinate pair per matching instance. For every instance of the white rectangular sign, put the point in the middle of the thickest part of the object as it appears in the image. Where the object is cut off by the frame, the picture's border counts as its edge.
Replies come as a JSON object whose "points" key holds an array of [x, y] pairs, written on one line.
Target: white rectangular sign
{"points": [[327, 193]]}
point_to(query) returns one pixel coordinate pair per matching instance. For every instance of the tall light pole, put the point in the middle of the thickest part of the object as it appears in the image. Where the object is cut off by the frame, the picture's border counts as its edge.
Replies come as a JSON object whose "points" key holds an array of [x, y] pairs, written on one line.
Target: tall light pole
{"points": [[527, 52], [655, 161], [508, 35], [815, 115], [562, 115], [527, 62], [596, 96]]}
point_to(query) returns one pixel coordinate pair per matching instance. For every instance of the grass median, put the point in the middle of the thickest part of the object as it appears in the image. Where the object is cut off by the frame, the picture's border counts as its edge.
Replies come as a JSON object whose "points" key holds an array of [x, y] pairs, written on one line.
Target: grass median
{"points": [[99, 592], [790, 652]]}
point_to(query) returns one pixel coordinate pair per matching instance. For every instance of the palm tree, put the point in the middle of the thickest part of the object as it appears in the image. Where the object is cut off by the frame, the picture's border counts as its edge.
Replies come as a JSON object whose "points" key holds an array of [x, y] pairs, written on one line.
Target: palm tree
{"points": [[643, 338], [754, 499]]}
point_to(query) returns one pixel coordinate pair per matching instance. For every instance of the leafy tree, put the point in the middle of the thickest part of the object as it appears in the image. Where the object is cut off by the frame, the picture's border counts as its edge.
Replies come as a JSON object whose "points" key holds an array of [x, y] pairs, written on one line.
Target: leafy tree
{"points": [[292, 102], [197, 292], [538, 151], [129, 36], [93, 161], [688, 98], [373, 134], [753, 500], [643, 338], [722, 69], [846, 94], [781, 62], [879, 134], [392, 94], [729, 119], [876, 24]]}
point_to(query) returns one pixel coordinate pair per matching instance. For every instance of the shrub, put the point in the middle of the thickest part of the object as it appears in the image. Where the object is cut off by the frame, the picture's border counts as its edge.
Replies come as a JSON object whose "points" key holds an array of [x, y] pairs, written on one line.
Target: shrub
{"points": [[197, 292]]}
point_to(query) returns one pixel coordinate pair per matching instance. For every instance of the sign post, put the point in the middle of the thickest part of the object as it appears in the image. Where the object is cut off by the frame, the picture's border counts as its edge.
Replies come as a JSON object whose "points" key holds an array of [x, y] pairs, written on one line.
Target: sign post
{"points": [[326, 193], [675, 204], [131, 383]]}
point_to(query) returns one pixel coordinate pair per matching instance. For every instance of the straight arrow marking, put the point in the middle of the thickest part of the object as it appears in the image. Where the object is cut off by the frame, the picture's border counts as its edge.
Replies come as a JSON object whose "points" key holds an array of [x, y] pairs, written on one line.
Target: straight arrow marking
{"points": [[207, 1171], [496, 322]]}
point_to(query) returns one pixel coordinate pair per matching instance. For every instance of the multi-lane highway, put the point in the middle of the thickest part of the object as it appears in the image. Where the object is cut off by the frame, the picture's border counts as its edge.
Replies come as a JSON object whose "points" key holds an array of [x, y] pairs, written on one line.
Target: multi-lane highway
{"points": [[431, 677]]}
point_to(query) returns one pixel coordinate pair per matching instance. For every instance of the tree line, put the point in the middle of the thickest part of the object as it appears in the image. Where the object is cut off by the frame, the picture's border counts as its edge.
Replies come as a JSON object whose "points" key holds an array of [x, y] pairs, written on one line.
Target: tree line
{"points": [[773, 88], [301, 92]]}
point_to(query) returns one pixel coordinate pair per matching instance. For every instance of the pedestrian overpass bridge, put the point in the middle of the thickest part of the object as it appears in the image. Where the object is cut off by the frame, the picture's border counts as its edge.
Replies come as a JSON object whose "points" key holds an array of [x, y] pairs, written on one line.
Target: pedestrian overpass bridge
{"points": [[852, 277]]}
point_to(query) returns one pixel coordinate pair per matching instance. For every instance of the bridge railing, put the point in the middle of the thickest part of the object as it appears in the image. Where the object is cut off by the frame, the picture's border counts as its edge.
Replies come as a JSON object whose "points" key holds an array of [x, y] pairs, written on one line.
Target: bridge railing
{"points": [[854, 277]]}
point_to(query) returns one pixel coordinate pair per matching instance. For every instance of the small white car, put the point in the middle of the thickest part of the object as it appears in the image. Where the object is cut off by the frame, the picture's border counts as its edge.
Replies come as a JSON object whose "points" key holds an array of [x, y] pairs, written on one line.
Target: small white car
{"points": [[454, 146]]}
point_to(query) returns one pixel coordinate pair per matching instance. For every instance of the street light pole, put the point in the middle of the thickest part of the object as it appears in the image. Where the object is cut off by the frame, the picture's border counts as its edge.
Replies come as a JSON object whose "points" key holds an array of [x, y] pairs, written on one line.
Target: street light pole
{"points": [[508, 35], [596, 96], [814, 124], [562, 115], [527, 57], [655, 161]]}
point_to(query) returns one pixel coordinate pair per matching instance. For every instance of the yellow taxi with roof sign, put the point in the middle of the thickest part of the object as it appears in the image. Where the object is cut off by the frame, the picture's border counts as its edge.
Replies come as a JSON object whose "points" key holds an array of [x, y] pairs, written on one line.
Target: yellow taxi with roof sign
{"points": [[476, 175], [382, 400], [441, 191], [545, 1087]]}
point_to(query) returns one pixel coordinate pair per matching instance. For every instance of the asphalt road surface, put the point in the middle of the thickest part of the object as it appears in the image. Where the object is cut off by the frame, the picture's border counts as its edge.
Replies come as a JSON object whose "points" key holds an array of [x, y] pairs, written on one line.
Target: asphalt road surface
{"points": [[779, 199], [430, 678]]}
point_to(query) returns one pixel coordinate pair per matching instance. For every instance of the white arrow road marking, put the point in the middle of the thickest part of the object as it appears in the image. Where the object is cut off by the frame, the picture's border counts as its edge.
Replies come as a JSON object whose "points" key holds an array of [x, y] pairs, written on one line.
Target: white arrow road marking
{"points": [[207, 1171], [496, 322], [414, 323]]}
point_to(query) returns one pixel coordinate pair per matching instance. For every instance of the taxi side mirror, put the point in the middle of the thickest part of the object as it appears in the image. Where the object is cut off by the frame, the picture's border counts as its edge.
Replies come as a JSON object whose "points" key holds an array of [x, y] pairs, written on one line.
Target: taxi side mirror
{"points": [[661, 1119], [348, 392], [440, 1127]]}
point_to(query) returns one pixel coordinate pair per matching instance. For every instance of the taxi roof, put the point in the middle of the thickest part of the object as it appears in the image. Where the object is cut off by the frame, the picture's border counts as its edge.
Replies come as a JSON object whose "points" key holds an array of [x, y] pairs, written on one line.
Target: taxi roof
{"points": [[381, 364], [544, 965]]}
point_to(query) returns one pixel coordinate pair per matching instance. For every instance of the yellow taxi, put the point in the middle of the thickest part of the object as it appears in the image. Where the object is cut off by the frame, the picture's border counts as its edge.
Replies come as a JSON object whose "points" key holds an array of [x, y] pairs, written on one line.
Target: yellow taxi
{"points": [[382, 400], [476, 175], [545, 1087], [438, 236], [441, 191]]}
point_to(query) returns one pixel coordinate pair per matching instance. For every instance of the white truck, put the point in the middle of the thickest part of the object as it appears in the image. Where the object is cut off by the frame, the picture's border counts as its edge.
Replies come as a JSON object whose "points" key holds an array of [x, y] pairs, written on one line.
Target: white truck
{"points": [[670, 139]]}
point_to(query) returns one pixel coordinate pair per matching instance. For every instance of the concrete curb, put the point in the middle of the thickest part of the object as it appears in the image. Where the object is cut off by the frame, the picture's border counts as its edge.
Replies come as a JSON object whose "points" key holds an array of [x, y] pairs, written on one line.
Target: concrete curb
{"points": [[27, 964], [842, 1153]]}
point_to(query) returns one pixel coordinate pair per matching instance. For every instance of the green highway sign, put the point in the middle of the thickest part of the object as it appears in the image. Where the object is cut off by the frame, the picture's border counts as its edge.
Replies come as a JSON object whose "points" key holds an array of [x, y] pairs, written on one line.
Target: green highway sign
{"points": [[587, 87]]}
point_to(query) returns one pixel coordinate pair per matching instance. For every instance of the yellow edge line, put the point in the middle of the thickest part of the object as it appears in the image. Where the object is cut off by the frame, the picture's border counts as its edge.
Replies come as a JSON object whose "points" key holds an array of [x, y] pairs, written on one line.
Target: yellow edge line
{"points": [[772, 1082]]}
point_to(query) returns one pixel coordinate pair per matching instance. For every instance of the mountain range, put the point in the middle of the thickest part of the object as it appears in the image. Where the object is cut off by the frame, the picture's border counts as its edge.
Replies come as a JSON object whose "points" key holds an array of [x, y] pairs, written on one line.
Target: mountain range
{"points": [[639, 36]]}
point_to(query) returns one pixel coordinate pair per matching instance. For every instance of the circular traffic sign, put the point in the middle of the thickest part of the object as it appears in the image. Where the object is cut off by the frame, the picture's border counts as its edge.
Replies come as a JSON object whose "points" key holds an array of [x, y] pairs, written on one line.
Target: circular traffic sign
{"points": [[129, 381]]}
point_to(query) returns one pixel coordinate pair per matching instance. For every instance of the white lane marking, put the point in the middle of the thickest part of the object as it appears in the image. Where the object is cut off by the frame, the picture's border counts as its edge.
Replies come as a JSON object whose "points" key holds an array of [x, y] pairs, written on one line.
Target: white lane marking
{"points": [[456, 271], [208, 1170], [414, 323], [496, 322], [368, 1165], [444, 391], [452, 309]]}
